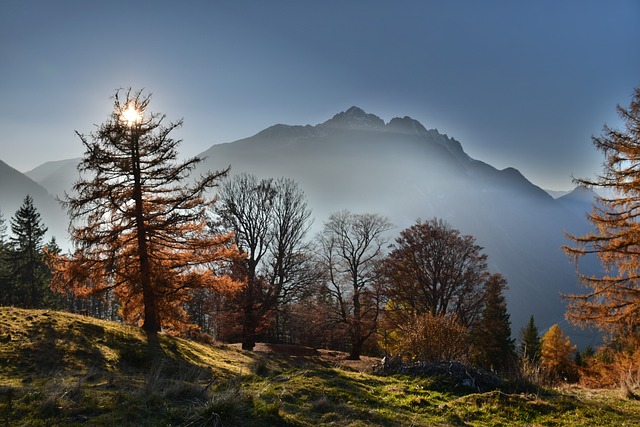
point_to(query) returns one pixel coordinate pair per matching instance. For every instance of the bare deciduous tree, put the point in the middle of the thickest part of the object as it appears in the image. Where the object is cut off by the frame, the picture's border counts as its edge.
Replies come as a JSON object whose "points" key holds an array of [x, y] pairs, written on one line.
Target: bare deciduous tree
{"points": [[270, 219], [350, 248]]}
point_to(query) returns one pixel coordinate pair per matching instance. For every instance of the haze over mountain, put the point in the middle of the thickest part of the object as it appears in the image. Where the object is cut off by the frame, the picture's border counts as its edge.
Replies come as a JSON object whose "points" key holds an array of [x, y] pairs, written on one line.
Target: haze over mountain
{"points": [[15, 186], [405, 171], [402, 170]]}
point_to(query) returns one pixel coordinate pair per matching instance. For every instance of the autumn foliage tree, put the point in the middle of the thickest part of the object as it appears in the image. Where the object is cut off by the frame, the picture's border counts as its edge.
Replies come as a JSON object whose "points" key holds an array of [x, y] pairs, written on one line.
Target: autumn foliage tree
{"points": [[139, 226], [432, 268], [556, 355], [433, 273], [612, 302]]}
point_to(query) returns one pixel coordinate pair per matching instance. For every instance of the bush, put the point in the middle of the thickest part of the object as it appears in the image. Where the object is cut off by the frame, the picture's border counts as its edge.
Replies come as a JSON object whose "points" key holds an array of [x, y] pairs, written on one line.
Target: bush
{"points": [[430, 339], [616, 364]]}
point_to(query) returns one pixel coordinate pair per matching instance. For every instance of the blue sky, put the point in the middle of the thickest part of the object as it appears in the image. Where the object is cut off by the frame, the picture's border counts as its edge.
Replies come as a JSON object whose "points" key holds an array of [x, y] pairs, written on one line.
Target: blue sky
{"points": [[522, 84]]}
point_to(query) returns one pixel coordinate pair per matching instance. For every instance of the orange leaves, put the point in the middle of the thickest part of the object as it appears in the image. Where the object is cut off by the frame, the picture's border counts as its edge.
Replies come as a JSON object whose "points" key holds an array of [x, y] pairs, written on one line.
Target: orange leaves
{"points": [[557, 351], [140, 223], [613, 300], [430, 338]]}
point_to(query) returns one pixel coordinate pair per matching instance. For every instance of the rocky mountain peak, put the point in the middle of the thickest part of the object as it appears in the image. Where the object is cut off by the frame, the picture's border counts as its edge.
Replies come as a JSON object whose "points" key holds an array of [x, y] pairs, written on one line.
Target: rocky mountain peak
{"points": [[406, 125], [354, 118]]}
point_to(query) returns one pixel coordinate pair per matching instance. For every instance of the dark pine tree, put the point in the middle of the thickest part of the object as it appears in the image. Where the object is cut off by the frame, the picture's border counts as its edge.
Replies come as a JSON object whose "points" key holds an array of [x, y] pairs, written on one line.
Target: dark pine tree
{"points": [[530, 342], [492, 337], [4, 263], [28, 271]]}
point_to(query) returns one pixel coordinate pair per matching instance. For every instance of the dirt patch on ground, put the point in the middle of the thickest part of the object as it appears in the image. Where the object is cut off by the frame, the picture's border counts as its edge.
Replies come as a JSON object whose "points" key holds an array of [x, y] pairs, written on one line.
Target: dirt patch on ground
{"points": [[288, 349], [337, 358]]}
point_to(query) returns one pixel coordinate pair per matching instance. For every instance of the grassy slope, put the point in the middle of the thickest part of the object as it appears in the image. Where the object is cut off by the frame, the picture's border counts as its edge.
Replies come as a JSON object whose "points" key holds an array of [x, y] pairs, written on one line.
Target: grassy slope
{"points": [[63, 369]]}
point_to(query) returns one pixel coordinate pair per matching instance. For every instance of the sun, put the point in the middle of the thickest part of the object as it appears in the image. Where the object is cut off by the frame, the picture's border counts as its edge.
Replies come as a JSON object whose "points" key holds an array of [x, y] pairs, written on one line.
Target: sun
{"points": [[131, 115]]}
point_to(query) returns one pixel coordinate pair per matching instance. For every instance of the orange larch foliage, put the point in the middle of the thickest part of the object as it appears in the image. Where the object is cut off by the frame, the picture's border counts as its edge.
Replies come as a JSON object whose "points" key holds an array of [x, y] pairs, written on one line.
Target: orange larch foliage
{"points": [[139, 224]]}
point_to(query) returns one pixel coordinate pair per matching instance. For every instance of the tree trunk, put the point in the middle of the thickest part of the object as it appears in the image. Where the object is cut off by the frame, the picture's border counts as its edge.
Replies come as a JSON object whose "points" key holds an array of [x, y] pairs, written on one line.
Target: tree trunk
{"points": [[248, 331], [356, 351], [249, 320], [151, 323]]}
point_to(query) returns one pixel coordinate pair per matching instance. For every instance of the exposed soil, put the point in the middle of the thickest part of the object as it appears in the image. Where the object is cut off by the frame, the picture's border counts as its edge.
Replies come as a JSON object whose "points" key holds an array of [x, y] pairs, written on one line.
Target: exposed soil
{"points": [[337, 358]]}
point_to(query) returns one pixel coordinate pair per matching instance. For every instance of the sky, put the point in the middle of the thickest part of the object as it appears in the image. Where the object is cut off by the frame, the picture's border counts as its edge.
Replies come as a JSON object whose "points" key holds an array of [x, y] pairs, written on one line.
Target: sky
{"points": [[520, 84]]}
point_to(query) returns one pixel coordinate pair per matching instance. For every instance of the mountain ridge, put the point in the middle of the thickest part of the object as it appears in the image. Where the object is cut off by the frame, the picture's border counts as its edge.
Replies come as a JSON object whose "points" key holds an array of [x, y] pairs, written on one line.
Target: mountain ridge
{"points": [[14, 188]]}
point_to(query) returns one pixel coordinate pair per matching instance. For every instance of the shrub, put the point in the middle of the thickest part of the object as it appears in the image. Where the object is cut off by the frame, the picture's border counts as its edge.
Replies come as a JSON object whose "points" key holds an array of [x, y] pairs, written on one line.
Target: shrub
{"points": [[430, 338], [616, 364]]}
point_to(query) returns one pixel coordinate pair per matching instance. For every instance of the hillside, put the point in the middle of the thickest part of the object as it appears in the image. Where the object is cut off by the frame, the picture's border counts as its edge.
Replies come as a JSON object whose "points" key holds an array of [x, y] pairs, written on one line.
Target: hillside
{"points": [[61, 369]]}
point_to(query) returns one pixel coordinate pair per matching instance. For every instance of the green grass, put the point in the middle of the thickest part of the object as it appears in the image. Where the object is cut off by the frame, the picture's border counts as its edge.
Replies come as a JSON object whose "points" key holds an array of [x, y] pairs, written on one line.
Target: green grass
{"points": [[59, 369]]}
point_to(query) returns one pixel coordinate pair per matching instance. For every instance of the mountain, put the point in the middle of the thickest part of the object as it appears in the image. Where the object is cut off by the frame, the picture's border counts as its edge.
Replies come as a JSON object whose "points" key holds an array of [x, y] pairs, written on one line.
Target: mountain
{"points": [[15, 186], [402, 170], [557, 193], [57, 176], [405, 171], [580, 200]]}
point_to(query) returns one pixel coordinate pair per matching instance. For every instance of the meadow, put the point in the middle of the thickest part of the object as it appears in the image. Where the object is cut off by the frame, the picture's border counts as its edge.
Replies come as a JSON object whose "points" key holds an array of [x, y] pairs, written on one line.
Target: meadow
{"points": [[61, 369]]}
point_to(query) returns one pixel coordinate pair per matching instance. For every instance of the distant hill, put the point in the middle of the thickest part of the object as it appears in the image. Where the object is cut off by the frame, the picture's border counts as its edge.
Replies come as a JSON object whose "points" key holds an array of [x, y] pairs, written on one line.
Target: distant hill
{"points": [[557, 194], [580, 200], [15, 186], [57, 176]]}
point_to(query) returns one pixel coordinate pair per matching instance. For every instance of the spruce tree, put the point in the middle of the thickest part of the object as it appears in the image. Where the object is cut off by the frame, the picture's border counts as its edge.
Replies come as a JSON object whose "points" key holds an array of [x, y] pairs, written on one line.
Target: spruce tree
{"points": [[51, 252], [27, 267], [494, 347], [4, 263], [530, 342]]}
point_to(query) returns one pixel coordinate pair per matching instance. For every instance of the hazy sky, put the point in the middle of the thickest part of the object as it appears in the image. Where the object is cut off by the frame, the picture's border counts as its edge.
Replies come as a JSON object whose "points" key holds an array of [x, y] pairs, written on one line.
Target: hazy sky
{"points": [[518, 83]]}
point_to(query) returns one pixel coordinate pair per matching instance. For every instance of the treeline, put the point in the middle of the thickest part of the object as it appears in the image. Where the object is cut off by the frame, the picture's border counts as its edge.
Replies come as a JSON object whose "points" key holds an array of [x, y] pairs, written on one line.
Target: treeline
{"points": [[340, 289], [426, 297], [25, 275]]}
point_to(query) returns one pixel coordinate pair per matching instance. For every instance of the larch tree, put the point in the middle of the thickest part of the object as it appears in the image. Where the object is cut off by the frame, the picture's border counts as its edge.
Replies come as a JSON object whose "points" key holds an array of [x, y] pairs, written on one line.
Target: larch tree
{"points": [[28, 270], [270, 219], [350, 247], [612, 302], [138, 223], [556, 354]]}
